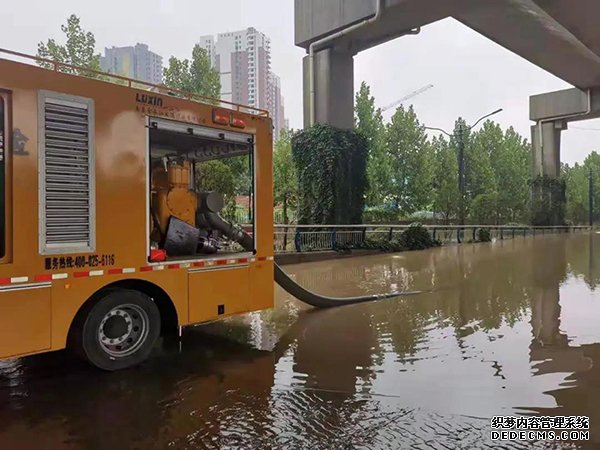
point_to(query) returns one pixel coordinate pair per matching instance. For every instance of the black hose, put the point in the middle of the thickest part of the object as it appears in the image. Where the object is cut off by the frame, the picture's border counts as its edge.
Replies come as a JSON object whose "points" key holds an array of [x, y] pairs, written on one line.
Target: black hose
{"points": [[321, 301], [216, 222], [212, 203], [282, 279]]}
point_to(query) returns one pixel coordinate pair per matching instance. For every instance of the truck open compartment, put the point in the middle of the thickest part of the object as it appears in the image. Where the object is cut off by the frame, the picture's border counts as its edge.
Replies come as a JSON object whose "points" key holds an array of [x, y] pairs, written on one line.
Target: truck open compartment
{"points": [[196, 173]]}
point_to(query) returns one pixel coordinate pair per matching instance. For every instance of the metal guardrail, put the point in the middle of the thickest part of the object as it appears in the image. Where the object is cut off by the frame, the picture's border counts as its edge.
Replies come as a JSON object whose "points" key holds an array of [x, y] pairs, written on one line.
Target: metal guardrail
{"points": [[307, 238]]}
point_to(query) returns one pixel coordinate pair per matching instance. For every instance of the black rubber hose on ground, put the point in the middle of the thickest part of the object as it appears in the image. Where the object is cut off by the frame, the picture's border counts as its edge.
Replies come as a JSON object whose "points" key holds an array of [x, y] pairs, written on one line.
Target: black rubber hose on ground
{"points": [[321, 301], [282, 279]]}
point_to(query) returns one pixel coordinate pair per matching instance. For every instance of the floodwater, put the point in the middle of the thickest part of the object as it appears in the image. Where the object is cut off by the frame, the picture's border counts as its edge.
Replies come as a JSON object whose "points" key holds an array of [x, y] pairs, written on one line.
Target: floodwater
{"points": [[508, 328]]}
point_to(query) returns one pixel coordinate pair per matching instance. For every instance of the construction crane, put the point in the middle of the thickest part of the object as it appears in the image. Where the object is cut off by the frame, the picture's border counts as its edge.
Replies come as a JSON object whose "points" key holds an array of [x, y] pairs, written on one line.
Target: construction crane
{"points": [[407, 97]]}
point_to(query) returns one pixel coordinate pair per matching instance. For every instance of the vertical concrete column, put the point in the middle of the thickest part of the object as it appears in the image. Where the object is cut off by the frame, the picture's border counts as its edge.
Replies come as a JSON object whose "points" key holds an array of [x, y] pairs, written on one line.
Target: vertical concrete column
{"points": [[334, 88], [548, 200], [545, 140]]}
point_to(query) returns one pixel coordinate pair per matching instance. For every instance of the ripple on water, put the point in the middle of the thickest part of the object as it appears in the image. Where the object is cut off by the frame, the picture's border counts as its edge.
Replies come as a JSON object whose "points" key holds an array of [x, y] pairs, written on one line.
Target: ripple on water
{"points": [[510, 327]]}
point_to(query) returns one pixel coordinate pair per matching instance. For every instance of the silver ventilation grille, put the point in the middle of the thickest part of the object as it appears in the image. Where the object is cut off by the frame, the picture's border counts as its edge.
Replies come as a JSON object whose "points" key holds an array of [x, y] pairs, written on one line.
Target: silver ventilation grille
{"points": [[66, 175]]}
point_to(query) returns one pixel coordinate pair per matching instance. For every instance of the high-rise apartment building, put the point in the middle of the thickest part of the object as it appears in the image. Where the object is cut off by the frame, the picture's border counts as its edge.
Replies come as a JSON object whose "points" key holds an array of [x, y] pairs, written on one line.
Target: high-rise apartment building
{"points": [[276, 107], [134, 62], [243, 59]]}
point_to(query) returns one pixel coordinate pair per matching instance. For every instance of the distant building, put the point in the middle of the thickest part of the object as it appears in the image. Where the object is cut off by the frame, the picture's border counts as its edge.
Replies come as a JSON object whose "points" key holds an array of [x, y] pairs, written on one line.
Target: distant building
{"points": [[134, 62], [243, 59], [208, 43], [276, 107]]}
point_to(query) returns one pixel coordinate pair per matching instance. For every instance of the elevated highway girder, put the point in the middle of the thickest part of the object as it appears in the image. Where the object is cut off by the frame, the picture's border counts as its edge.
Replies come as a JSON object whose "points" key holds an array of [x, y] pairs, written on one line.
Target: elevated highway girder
{"points": [[559, 36]]}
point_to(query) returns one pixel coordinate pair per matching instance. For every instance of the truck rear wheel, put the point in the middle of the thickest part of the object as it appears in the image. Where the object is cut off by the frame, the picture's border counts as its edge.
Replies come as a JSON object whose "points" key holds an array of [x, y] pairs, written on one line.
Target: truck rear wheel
{"points": [[119, 330]]}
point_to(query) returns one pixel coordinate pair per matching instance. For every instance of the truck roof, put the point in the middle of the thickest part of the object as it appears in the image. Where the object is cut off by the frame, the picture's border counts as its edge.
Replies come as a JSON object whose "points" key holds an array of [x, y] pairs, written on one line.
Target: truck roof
{"points": [[106, 77]]}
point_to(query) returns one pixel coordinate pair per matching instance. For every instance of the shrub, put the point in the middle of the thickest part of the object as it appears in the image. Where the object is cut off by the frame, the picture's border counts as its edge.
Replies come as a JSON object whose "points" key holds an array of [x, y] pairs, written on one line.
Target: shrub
{"points": [[388, 246], [382, 245], [483, 235], [417, 237]]}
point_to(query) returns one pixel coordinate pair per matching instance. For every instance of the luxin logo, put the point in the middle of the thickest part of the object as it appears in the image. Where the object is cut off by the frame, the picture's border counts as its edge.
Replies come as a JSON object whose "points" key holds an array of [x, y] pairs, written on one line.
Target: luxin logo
{"points": [[153, 100]]}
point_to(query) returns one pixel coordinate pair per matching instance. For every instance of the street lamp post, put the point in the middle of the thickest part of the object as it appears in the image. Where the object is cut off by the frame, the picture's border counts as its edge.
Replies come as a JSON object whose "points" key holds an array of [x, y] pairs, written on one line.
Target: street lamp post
{"points": [[591, 197], [460, 136], [461, 175]]}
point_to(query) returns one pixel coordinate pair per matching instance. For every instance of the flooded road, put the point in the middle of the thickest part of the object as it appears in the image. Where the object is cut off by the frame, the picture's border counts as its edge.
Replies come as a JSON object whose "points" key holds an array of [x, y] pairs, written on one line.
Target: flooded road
{"points": [[506, 328]]}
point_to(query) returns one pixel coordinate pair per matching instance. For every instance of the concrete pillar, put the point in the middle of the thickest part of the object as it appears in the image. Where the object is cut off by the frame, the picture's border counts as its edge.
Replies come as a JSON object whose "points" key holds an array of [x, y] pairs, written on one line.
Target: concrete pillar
{"points": [[334, 88], [546, 148], [548, 200]]}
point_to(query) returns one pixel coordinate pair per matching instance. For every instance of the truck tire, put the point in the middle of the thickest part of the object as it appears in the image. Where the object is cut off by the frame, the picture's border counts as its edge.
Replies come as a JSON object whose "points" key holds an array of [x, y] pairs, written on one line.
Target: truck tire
{"points": [[118, 330]]}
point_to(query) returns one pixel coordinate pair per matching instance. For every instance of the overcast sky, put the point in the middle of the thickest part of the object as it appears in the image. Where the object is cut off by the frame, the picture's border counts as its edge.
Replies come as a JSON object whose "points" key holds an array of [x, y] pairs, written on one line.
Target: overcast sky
{"points": [[471, 75]]}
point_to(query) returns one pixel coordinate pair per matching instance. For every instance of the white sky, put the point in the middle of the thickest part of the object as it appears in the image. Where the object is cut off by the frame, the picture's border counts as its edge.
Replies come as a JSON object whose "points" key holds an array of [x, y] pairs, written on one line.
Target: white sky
{"points": [[471, 75]]}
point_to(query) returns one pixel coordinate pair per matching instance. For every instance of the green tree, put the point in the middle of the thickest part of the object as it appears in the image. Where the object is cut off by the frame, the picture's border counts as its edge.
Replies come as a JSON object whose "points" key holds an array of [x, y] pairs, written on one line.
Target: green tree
{"points": [[368, 122], [79, 49], [445, 179], [217, 176], [240, 168], [576, 181], [483, 208], [577, 189], [592, 161], [196, 75], [285, 179], [511, 163], [479, 175], [485, 152], [410, 162]]}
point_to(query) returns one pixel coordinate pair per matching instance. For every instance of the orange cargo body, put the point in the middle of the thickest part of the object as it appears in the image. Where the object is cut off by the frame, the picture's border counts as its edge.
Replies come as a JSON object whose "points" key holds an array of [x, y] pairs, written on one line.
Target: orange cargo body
{"points": [[65, 241]]}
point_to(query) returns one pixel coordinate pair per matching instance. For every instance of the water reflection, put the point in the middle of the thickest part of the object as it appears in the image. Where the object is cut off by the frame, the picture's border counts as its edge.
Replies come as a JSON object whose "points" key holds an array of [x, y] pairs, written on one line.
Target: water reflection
{"points": [[510, 327]]}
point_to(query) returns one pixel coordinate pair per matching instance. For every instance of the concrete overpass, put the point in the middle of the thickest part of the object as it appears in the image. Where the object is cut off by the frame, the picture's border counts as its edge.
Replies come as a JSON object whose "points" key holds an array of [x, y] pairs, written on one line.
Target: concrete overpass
{"points": [[560, 36]]}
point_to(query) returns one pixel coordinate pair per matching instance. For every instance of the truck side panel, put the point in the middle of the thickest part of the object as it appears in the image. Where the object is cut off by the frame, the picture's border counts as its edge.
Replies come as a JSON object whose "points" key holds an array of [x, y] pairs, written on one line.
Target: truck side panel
{"points": [[42, 319], [25, 321]]}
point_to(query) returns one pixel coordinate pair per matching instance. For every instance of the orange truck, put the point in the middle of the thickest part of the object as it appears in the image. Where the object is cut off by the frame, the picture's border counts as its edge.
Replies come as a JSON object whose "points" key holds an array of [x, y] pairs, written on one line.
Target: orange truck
{"points": [[109, 232], [113, 220]]}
